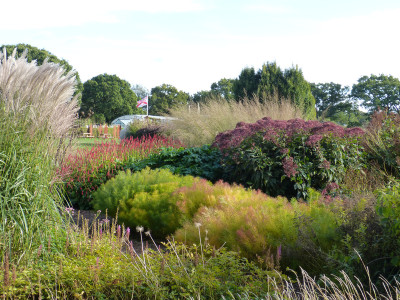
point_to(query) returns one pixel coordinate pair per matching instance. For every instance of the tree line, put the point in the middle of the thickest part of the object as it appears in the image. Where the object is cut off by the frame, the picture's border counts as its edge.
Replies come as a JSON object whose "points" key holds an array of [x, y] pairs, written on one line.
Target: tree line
{"points": [[106, 97]]}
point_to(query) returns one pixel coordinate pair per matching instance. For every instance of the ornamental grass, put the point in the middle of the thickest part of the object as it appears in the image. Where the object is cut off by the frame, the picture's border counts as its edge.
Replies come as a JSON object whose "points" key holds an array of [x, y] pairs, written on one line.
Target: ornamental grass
{"points": [[197, 127]]}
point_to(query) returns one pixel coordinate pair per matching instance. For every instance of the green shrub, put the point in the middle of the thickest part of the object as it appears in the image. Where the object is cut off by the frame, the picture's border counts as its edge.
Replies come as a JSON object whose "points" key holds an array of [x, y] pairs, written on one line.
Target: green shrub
{"points": [[262, 228], [105, 265], [388, 210], [361, 238], [143, 199], [199, 161], [202, 195], [288, 157]]}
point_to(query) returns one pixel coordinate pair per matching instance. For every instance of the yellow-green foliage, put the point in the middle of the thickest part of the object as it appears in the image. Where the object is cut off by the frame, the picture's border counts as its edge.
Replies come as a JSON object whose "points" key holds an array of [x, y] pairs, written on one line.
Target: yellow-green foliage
{"points": [[202, 194], [106, 265], [143, 199], [261, 227]]}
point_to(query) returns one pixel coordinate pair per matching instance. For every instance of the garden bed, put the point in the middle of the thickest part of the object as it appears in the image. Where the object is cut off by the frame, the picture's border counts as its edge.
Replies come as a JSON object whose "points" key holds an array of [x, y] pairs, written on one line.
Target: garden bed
{"points": [[91, 216]]}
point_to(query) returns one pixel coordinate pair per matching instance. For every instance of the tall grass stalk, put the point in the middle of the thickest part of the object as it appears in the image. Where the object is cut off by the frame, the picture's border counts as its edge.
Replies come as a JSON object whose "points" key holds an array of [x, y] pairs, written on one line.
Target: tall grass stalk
{"points": [[37, 109], [29, 199], [196, 127]]}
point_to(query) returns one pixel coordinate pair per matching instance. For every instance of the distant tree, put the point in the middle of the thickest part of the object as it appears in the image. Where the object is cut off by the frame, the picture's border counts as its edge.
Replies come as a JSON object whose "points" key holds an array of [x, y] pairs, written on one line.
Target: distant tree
{"points": [[334, 103], [108, 95], [329, 97], [289, 84], [298, 90], [40, 55], [378, 92], [272, 80], [165, 97], [223, 88], [201, 96], [246, 84], [140, 91], [351, 118]]}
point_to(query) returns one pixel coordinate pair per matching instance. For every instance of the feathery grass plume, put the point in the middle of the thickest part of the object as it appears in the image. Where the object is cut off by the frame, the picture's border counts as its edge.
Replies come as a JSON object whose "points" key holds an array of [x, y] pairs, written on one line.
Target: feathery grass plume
{"points": [[196, 127], [42, 92]]}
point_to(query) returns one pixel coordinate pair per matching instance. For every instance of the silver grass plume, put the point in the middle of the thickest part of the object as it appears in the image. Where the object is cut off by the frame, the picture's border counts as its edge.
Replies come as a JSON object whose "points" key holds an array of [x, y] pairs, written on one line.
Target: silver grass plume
{"points": [[43, 92]]}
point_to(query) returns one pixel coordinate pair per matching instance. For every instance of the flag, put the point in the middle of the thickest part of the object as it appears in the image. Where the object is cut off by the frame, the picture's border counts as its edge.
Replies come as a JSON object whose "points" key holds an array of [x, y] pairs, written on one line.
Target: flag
{"points": [[142, 102]]}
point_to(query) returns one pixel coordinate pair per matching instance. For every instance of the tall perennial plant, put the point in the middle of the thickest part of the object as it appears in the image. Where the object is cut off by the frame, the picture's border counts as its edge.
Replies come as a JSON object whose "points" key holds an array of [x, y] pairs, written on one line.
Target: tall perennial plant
{"points": [[288, 157]]}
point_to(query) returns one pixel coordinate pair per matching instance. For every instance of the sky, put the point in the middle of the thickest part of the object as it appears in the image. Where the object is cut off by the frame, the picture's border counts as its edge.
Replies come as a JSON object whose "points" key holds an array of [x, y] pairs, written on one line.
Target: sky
{"points": [[192, 43]]}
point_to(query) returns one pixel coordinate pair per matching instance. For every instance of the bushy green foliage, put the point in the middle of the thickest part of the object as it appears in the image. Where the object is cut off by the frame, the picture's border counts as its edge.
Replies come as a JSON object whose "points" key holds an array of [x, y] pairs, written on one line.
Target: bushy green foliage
{"points": [[106, 266], [265, 229], [198, 161], [143, 199], [30, 197], [288, 157], [388, 209], [271, 79], [203, 195]]}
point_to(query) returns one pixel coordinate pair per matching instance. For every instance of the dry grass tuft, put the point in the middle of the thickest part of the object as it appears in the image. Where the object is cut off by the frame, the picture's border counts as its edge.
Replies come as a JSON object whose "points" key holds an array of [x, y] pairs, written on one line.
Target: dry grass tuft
{"points": [[196, 126], [43, 93]]}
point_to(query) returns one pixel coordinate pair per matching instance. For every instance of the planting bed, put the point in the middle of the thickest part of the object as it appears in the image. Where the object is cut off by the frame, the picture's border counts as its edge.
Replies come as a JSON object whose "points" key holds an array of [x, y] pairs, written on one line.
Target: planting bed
{"points": [[91, 216]]}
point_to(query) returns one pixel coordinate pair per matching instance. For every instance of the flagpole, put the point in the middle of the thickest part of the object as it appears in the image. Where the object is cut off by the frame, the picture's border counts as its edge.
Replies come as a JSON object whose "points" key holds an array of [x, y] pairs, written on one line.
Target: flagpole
{"points": [[147, 105]]}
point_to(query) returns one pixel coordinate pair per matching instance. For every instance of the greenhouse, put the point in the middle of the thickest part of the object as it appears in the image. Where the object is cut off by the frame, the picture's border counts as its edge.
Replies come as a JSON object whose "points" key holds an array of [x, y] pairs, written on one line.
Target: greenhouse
{"points": [[125, 120]]}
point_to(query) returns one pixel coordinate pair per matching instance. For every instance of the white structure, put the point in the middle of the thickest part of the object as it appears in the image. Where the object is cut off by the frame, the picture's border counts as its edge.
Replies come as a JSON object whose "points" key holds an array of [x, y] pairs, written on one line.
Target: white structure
{"points": [[125, 120]]}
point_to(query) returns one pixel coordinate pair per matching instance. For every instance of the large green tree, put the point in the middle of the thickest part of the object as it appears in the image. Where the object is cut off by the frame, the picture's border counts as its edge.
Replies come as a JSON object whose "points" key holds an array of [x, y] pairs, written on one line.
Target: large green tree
{"points": [[298, 90], [108, 95], [246, 84], [334, 103], [329, 98], [272, 80], [165, 97], [378, 92], [40, 55], [223, 88], [201, 96]]}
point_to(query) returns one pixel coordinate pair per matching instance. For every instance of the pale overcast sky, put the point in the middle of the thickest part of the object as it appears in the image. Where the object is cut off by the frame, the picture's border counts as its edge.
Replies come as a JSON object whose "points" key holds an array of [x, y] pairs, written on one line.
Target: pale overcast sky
{"points": [[192, 43]]}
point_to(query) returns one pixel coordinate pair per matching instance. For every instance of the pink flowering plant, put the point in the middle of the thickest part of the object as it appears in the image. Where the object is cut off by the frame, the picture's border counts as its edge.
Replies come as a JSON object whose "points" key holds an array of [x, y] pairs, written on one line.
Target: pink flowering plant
{"points": [[288, 157], [84, 171]]}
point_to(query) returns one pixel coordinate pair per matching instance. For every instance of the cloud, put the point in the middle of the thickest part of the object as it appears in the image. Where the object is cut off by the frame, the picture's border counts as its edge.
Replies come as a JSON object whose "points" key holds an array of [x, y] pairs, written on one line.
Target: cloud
{"points": [[40, 14]]}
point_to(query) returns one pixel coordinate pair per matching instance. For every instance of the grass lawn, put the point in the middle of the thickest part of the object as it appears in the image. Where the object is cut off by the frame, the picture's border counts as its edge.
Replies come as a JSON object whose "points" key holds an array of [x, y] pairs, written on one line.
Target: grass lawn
{"points": [[87, 143]]}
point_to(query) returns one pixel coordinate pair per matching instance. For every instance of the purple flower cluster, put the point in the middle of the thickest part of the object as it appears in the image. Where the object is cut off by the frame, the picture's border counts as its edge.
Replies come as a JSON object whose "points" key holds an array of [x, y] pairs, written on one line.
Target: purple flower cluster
{"points": [[330, 187], [289, 166], [272, 129], [313, 140], [325, 164]]}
